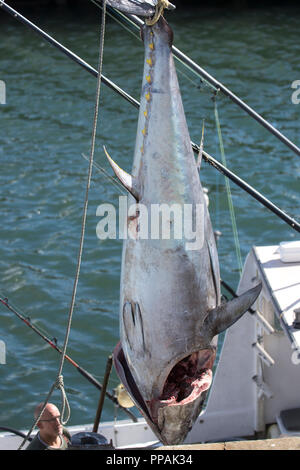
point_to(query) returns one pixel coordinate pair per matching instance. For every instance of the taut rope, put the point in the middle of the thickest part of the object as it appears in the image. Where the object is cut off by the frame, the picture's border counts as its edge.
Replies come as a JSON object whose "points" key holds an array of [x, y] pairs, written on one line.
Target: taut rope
{"points": [[59, 384]]}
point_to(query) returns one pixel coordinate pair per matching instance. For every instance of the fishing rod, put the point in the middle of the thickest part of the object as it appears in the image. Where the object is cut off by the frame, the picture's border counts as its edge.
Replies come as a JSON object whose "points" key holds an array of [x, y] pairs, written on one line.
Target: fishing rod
{"points": [[53, 344], [15, 431], [249, 189], [208, 158], [259, 316], [15, 14], [233, 293], [133, 20]]}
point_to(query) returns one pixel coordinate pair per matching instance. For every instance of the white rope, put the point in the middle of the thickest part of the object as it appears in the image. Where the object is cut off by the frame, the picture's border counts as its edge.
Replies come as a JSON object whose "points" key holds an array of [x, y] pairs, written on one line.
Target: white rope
{"points": [[59, 384], [59, 379]]}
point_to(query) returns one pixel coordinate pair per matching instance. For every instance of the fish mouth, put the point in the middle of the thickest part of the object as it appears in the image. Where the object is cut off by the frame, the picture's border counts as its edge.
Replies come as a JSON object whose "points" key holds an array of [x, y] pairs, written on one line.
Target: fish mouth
{"points": [[172, 414], [188, 379]]}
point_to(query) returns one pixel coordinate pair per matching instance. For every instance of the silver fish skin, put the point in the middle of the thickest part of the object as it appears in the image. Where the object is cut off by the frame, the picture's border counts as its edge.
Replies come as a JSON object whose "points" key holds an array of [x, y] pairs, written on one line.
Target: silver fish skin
{"points": [[137, 7], [170, 299]]}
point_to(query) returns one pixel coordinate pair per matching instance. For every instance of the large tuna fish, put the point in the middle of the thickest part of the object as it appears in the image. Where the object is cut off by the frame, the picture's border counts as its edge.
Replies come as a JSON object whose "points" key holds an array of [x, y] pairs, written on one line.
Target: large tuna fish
{"points": [[170, 310]]}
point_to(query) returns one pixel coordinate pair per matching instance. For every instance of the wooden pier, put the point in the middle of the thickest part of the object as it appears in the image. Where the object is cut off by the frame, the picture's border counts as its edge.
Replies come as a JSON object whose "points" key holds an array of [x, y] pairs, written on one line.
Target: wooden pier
{"points": [[284, 443]]}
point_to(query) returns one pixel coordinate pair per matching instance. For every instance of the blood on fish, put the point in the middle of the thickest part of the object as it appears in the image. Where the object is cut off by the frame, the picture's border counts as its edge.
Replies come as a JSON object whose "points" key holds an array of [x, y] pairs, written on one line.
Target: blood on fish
{"points": [[188, 378]]}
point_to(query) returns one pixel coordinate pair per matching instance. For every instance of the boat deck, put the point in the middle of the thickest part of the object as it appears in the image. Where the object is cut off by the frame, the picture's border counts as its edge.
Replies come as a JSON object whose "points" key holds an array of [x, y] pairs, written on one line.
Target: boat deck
{"points": [[282, 280]]}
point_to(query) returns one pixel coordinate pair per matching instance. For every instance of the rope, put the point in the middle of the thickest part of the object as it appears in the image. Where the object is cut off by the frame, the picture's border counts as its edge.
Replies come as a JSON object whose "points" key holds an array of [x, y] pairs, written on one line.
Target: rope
{"points": [[59, 384], [133, 24], [229, 196], [159, 9]]}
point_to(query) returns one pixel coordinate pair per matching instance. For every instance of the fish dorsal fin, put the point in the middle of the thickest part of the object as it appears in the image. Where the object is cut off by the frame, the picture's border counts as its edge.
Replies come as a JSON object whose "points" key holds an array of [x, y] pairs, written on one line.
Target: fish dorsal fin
{"points": [[128, 181], [134, 327], [222, 317]]}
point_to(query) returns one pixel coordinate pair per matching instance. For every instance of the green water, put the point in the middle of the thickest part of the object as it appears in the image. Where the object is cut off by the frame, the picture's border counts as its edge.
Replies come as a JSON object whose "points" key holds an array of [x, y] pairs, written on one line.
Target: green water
{"points": [[46, 125]]}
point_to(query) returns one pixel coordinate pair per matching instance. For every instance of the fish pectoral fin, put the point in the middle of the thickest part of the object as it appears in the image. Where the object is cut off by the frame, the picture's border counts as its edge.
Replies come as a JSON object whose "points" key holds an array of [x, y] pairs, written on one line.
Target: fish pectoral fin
{"points": [[128, 181], [222, 317], [134, 327]]}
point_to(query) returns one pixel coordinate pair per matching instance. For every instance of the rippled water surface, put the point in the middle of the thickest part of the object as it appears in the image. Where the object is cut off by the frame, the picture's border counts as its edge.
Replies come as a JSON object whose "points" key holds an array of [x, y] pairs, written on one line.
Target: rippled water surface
{"points": [[45, 127]]}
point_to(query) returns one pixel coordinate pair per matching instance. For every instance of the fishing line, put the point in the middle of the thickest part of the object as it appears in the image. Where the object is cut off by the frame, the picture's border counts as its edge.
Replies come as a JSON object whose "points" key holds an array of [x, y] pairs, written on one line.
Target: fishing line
{"points": [[113, 180], [196, 84], [202, 79], [114, 17], [84, 217], [229, 195], [59, 379], [53, 343]]}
